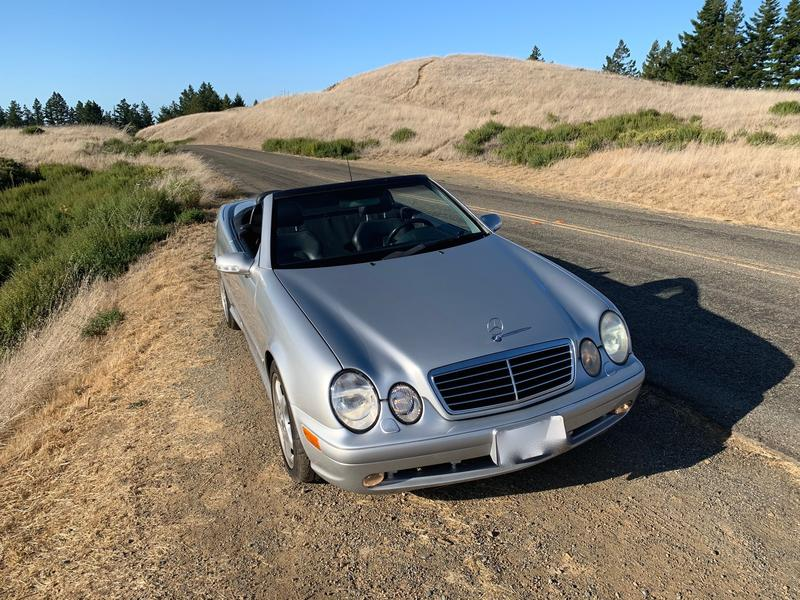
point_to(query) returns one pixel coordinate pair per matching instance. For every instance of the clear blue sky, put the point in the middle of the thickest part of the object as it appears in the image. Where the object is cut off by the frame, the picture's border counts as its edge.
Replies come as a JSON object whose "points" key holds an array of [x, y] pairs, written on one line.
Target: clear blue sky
{"points": [[149, 51]]}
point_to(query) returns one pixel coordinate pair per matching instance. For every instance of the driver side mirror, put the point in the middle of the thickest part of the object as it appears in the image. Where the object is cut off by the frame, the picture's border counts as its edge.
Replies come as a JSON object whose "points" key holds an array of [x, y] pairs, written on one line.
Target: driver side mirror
{"points": [[234, 263], [492, 221]]}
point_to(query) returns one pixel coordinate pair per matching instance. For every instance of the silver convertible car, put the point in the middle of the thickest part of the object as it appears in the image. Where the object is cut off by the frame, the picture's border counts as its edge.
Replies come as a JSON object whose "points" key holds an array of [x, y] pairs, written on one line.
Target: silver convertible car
{"points": [[406, 345]]}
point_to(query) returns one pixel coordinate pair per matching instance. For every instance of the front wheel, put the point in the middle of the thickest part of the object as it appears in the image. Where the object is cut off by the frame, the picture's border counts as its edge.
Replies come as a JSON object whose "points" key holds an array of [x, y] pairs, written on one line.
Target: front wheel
{"points": [[294, 456]]}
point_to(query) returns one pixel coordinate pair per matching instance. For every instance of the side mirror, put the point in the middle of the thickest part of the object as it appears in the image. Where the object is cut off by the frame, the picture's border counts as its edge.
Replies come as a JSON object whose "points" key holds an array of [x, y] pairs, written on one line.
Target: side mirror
{"points": [[492, 221], [234, 263]]}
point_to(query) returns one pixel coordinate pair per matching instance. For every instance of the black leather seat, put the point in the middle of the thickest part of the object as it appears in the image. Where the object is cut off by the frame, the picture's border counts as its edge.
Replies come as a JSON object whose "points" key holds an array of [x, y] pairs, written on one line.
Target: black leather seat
{"points": [[371, 233], [294, 243]]}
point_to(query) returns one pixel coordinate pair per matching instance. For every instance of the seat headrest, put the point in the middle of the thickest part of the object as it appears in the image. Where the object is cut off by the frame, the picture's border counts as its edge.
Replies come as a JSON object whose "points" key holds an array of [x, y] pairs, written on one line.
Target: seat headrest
{"points": [[289, 214], [384, 204]]}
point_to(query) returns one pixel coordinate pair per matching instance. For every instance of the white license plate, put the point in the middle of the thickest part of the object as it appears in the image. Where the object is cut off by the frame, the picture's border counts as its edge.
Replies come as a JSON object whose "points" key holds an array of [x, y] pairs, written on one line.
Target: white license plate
{"points": [[527, 442]]}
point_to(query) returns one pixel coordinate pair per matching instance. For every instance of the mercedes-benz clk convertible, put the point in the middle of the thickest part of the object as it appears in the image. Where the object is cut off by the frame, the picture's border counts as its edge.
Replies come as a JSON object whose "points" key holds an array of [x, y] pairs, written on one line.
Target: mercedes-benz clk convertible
{"points": [[404, 344]]}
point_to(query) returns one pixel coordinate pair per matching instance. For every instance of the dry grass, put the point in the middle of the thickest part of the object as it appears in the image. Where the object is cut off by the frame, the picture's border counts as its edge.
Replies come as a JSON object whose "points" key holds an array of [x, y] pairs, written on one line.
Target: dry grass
{"points": [[50, 357], [79, 145], [69, 514], [442, 98], [733, 182]]}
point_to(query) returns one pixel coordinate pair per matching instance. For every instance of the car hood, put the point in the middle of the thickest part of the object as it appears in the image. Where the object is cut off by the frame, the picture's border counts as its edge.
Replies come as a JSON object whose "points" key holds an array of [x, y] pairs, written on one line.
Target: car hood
{"points": [[397, 319]]}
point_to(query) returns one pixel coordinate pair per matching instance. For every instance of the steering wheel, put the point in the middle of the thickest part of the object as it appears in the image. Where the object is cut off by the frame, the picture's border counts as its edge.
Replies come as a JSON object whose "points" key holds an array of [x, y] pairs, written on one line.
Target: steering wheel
{"points": [[407, 226]]}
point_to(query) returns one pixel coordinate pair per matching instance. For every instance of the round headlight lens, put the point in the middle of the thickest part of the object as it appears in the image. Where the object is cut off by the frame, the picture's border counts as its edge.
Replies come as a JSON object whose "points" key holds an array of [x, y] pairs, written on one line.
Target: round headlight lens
{"points": [[405, 403], [614, 336], [354, 400], [590, 357]]}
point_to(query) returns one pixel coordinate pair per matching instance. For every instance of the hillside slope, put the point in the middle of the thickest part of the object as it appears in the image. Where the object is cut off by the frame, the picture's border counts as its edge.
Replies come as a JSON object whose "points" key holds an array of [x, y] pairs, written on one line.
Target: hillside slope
{"points": [[442, 98]]}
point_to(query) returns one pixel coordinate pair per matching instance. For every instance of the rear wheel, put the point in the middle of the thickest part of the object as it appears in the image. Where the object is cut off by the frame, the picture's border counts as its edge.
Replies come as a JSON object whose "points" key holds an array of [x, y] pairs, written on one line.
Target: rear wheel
{"points": [[294, 456], [226, 307]]}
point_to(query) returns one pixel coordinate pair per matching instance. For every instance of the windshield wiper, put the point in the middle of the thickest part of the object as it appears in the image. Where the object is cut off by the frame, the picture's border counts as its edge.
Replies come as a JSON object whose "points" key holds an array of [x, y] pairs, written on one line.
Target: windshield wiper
{"points": [[407, 251]]}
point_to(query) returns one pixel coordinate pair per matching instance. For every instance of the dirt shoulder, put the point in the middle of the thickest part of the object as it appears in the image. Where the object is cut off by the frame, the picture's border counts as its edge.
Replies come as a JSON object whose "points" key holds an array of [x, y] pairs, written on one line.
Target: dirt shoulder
{"points": [[155, 472]]}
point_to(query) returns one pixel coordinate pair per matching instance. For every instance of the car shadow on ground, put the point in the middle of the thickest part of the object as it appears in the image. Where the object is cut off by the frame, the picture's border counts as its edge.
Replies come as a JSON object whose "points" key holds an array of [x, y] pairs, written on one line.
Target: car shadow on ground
{"points": [[717, 367]]}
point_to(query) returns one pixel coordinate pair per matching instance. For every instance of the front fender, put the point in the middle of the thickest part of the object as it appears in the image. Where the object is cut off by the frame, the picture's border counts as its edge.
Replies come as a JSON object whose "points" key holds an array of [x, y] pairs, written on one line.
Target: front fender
{"points": [[306, 363]]}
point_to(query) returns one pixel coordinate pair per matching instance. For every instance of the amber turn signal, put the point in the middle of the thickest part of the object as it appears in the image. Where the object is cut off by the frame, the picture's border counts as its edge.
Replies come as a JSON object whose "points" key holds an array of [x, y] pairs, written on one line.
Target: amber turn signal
{"points": [[311, 438]]}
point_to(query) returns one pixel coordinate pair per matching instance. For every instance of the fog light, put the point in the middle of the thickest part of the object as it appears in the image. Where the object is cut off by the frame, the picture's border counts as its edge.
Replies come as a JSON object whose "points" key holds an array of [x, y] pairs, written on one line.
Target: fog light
{"points": [[373, 479], [622, 409]]}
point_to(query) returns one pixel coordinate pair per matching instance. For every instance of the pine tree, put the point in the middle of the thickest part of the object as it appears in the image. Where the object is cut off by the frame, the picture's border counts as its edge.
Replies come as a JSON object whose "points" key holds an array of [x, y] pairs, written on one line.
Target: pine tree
{"points": [[89, 113], [14, 115], [237, 101], [80, 113], [536, 54], [731, 47], [650, 66], [786, 50], [27, 115], [208, 99], [226, 102], [761, 35], [124, 114], [700, 58], [145, 116], [2, 117], [56, 110], [255, 102], [38, 116], [620, 62], [168, 112]]}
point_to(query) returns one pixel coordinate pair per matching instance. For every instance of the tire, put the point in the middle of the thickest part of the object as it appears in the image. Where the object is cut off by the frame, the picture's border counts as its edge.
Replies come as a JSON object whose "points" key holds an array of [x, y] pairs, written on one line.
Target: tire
{"points": [[226, 307], [294, 456]]}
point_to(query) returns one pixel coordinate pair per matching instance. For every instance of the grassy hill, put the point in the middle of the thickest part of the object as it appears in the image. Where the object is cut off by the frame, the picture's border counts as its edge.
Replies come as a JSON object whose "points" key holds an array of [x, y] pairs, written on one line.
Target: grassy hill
{"points": [[752, 176]]}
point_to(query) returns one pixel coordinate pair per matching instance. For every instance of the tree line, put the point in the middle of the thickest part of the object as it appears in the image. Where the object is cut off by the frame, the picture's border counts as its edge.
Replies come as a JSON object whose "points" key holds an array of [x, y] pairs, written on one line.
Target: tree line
{"points": [[56, 111], [723, 49]]}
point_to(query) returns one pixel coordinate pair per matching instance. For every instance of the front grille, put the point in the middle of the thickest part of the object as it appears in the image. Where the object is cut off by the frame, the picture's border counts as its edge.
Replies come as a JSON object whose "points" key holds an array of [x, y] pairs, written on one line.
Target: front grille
{"points": [[508, 378]]}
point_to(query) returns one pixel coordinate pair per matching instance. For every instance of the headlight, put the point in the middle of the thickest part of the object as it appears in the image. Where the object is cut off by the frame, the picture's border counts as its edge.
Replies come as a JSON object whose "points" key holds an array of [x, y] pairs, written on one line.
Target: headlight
{"points": [[354, 401], [590, 357], [405, 403], [614, 336]]}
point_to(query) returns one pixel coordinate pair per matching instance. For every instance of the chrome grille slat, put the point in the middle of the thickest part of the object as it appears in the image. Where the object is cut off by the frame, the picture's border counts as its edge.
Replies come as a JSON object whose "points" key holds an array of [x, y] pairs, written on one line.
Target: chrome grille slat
{"points": [[561, 353], [481, 389], [455, 387], [563, 361], [523, 382], [509, 394], [501, 365], [506, 379]]}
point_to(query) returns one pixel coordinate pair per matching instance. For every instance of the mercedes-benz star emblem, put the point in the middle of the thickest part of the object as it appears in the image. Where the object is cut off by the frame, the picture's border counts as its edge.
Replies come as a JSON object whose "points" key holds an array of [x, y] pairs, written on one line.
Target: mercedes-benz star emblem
{"points": [[495, 328]]}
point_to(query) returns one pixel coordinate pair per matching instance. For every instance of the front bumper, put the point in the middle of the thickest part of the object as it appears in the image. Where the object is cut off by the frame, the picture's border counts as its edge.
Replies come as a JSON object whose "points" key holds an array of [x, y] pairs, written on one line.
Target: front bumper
{"points": [[463, 454]]}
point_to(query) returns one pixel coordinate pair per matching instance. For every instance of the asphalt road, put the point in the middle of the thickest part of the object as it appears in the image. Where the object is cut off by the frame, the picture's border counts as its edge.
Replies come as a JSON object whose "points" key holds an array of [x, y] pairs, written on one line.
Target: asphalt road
{"points": [[712, 307]]}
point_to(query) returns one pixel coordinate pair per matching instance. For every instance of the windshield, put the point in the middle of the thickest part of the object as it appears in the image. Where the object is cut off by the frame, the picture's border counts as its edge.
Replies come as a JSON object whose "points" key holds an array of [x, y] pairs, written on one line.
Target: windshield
{"points": [[364, 224]]}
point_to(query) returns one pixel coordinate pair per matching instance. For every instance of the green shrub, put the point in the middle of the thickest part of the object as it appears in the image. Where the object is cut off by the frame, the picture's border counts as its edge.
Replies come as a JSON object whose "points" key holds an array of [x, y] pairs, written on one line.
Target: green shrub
{"points": [[71, 226], [539, 147], [403, 134], [102, 322], [791, 107], [552, 118], [13, 173], [338, 148], [792, 140], [31, 130], [762, 138], [475, 139], [713, 137], [191, 215], [135, 147]]}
